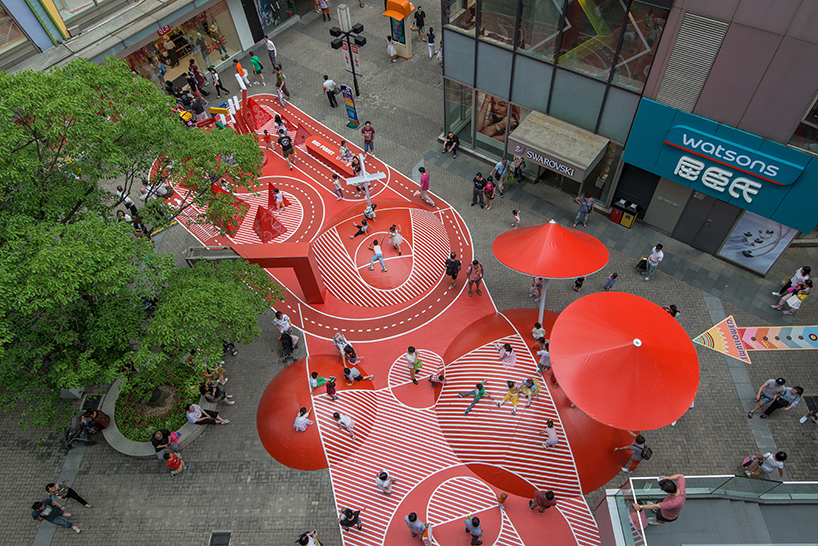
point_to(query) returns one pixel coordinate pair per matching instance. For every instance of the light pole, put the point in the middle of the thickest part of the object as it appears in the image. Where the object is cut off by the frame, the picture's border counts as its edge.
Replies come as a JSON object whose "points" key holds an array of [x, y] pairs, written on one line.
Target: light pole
{"points": [[338, 42]]}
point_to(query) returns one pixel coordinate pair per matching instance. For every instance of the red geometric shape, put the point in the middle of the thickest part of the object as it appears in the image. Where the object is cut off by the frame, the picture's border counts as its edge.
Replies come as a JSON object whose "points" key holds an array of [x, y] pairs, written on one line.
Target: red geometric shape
{"points": [[550, 251], [231, 225], [255, 115], [267, 226], [635, 369], [323, 150], [271, 199], [301, 135], [299, 256]]}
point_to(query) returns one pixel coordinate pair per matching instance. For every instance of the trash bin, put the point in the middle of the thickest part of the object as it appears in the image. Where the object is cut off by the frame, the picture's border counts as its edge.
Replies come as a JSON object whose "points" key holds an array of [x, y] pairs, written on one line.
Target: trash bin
{"points": [[616, 214], [628, 215]]}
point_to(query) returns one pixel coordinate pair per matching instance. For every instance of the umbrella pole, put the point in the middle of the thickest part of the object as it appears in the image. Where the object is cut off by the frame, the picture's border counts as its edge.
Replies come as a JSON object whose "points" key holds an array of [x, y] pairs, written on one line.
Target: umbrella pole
{"points": [[542, 300]]}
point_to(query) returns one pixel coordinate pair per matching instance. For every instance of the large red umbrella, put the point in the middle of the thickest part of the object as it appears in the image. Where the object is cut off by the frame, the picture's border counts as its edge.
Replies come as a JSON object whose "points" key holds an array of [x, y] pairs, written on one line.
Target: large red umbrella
{"points": [[624, 361], [550, 251]]}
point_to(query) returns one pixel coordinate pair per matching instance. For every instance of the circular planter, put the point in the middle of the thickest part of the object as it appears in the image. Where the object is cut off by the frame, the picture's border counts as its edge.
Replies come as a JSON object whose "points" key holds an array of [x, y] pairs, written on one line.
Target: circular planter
{"points": [[116, 440]]}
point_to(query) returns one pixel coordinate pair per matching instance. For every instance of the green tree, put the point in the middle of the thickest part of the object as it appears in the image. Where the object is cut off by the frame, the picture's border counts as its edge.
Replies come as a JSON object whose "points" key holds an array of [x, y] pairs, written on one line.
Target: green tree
{"points": [[74, 282]]}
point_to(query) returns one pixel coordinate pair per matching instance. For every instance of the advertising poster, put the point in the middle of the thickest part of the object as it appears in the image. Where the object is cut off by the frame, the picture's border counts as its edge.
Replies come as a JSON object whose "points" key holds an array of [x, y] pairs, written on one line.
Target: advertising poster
{"points": [[757, 242], [398, 30], [349, 102], [350, 60]]}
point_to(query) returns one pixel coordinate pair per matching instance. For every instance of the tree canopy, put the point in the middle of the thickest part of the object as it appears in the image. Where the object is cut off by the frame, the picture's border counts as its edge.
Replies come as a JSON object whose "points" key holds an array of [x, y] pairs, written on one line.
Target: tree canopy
{"points": [[75, 282]]}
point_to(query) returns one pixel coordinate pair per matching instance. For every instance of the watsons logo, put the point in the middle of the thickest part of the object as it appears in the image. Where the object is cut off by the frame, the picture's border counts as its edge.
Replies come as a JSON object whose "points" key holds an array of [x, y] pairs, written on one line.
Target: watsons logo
{"points": [[733, 155]]}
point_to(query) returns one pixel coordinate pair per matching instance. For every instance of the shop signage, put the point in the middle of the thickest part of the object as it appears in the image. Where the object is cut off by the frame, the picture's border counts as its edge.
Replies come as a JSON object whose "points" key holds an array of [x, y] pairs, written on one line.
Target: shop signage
{"points": [[353, 59], [164, 30], [541, 159], [733, 156], [349, 102]]}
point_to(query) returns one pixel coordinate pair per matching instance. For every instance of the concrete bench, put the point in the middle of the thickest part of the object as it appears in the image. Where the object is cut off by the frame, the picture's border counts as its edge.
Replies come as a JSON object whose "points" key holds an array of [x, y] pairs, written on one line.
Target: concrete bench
{"points": [[116, 440], [327, 153]]}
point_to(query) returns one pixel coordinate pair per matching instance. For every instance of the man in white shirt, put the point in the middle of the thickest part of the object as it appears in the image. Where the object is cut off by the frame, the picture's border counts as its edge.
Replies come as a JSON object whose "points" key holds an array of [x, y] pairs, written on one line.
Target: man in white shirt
{"points": [[656, 255], [282, 322], [271, 50], [329, 90]]}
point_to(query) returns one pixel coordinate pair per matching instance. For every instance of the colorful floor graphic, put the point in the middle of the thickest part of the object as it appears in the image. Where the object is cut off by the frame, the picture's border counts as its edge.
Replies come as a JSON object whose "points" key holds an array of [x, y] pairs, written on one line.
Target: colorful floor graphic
{"points": [[727, 338]]}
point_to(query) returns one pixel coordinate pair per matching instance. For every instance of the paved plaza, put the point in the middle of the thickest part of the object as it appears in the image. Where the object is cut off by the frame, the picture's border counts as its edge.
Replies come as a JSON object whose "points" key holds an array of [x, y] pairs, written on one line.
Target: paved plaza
{"points": [[235, 485]]}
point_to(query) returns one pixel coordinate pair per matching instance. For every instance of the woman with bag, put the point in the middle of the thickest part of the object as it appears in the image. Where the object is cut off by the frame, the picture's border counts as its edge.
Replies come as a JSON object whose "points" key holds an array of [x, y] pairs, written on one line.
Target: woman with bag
{"points": [[489, 192], [795, 298], [766, 464]]}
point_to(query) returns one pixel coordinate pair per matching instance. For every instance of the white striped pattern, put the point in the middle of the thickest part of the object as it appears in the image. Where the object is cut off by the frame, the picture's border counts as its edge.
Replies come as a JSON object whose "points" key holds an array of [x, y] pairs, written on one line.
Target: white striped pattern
{"points": [[430, 244]]}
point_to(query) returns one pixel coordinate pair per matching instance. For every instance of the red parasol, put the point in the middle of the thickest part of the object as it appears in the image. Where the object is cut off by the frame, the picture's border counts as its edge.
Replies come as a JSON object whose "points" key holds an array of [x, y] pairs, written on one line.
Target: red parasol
{"points": [[624, 361], [550, 251]]}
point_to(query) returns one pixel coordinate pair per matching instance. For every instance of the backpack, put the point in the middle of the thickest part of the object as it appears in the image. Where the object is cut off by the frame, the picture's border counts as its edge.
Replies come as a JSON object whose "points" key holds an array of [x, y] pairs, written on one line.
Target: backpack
{"points": [[647, 453]]}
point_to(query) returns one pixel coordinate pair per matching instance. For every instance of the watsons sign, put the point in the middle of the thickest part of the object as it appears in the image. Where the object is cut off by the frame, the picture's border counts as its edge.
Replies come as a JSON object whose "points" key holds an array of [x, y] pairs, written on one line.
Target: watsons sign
{"points": [[546, 162], [732, 155]]}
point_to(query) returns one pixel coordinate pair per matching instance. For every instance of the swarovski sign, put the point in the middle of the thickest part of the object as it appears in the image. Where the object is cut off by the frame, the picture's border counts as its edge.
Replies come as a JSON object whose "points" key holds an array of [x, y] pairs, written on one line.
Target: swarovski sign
{"points": [[541, 159]]}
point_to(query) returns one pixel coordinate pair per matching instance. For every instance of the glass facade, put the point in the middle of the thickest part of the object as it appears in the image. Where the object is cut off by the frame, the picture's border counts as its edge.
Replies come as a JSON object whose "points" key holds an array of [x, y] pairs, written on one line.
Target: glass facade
{"points": [[273, 13], [68, 9], [806, 136], [207, 38], [10, 33]]}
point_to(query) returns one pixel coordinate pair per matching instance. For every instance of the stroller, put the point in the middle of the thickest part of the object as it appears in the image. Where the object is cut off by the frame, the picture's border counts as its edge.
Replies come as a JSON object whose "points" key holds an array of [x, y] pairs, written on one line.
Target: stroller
{"points": [[77, 433], [287, 347]]}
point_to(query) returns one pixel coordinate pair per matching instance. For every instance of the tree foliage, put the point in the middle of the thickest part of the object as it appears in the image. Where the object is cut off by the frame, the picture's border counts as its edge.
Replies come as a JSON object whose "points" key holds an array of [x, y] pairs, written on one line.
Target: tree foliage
{"points": [[74, 283]]}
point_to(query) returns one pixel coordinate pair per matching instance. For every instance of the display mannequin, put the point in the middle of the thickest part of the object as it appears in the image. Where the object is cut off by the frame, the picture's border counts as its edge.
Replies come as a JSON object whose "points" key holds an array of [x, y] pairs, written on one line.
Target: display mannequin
{"points": [[201, 45]]}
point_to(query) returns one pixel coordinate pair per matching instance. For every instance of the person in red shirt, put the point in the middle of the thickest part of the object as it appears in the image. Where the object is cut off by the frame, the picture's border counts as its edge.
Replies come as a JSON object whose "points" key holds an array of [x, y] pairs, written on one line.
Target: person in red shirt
{"points": [[369, 138], [671, 506], [268, 140], [175, 463], [543, 500]]}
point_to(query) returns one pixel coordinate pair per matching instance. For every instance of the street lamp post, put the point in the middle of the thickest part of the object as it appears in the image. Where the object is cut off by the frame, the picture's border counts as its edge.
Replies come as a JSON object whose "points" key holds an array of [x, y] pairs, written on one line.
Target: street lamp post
{"points": [[338, 43]]}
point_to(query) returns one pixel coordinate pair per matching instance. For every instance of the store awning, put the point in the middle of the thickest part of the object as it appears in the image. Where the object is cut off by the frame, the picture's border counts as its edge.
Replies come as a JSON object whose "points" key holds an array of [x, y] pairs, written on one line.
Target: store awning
{"points": [[557, 145]]}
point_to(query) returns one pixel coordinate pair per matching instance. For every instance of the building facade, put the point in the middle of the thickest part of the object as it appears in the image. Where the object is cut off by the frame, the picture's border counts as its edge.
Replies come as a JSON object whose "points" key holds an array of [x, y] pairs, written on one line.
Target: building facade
{"points": [[602, 96]]}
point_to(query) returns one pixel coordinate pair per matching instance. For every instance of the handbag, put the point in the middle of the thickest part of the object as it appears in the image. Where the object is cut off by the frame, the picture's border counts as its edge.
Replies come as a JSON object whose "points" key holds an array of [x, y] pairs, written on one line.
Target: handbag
{"points": [[642, 264], [647, 453], [174, 437], [794, 302], [748, 460]]}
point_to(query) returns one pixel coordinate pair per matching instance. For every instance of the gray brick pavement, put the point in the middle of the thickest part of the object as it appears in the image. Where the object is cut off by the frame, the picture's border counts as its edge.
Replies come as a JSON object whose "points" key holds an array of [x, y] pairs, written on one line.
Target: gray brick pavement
{"points": [[235, 485]]}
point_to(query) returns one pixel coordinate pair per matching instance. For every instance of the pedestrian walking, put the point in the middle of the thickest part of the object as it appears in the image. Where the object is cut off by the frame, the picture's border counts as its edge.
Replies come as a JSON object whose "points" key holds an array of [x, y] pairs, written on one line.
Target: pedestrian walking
{"points": [[453, 268], [812, 409], [395, 238], [767, 464], [281, 86], [544, 358], [490, 192], [801, 274], [451, 144], [175, 463], [652, 262], [475, 275], [271, 51], [350, 518], [62, 491], [302, 420], [795, 299], [578, 284], [330, 89], [255, 62], [337, 188], [515, 215], [52, 512], [586, 207], [507, 356], [787, 400], [479, 392], [551, 435], [500, 173], [217, 83], [513, 395], [384, 481], [543, 500], [416, 527], [501, 501], [536, 288], [324, 5], [284, 325], [611, 281], [517, 168], [767, 392], [287, 149], [308, 539], [673, 311], [369, 137], [478, 185], [473, 527], [430, 41], [375, 245], [241, 73], [671, 506], [390, 50], [424, 186], [413, 362], [420, 22], [637, 448]]}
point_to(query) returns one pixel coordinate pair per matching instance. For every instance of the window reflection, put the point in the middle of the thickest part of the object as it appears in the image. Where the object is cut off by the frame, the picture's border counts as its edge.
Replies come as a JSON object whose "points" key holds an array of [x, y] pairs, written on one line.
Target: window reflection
{"points": [[460, 14], [10, 33], [458, 110], [539, 27], [497, 21], [590, 35], [645, 25]]}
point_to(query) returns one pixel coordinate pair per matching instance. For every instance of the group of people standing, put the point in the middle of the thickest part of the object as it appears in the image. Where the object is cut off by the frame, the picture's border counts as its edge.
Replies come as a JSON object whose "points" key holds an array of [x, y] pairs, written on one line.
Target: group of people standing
{"points": [[53, 508]]}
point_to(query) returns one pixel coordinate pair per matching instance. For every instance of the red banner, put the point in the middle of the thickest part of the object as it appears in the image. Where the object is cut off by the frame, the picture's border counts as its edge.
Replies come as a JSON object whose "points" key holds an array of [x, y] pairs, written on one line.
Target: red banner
{"points": [[267, 226]]}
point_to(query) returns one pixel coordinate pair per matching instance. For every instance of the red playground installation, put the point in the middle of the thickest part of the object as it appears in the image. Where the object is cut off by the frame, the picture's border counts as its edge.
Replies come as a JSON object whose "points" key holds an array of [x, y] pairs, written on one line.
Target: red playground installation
{"points": [[449, 464]]}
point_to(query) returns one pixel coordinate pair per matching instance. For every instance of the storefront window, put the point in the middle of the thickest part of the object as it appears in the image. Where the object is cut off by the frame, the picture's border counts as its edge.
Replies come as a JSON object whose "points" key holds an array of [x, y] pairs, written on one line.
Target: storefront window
{"points": [[494, 120], [530, 169], [497, 21], [806, 136], [458, 110], [10, 33], [600, 181], [208, 39], [539, 28], [460, 14], [590, 36], [645, 25], [273, 13]]}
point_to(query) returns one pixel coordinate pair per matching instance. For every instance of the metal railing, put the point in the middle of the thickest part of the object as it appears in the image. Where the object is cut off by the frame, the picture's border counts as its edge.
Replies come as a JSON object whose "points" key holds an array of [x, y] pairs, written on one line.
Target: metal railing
{"points": [[727, 487]]}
